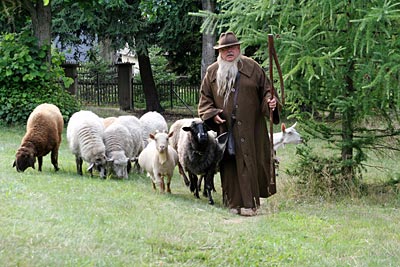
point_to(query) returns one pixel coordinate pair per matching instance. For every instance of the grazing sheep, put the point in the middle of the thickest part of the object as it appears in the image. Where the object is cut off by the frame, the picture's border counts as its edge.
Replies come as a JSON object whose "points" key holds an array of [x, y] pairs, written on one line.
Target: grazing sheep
{"points": [[85, 138], [108, 121], [287, 136], [119, 148], [133, 124], [176, 128], [159, 159], [152, 121], [43, 135], [199, 153]]}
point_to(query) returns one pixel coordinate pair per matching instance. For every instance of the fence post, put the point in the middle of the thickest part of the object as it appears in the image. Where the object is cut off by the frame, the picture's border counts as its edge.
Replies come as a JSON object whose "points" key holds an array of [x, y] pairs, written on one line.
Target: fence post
{"points": [[71, 71], [125, 86]]}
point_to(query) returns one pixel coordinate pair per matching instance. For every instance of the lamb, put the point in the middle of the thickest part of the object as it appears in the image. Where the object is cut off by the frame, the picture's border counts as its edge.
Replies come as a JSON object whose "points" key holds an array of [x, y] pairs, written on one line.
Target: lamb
{"points": [[119, 148], [85, 138], [152, 121], [287, 136], [199, 153], [43, 135], [159, 159]]}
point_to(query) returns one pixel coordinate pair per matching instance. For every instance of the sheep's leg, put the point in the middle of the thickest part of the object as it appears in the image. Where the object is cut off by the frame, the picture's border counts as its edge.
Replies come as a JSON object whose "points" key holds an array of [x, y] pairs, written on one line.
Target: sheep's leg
{"points": [[208, 186], [160, 181], [169, 184], [183, 174], [129, 166], [199, 186], [40, 161], [193, 184], [54, 158], [79, 162]]}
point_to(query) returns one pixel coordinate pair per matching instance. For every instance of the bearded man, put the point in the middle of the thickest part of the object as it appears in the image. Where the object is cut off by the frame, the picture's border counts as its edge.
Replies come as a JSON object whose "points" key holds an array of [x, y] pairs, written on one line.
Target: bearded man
{"points": [[237, 85]]}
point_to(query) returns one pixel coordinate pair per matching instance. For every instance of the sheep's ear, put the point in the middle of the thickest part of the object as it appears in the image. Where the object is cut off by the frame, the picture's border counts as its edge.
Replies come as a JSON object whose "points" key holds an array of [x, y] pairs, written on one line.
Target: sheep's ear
{"points": [[283, 127], [186, 128], [152, 136], [15, 163], [294, 125], [170, 134], [110, 159]]}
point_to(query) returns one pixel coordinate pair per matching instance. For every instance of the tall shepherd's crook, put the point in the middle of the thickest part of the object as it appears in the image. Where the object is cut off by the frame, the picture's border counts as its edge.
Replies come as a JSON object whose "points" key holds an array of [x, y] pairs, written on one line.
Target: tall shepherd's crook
{"points": [[273, 58]]}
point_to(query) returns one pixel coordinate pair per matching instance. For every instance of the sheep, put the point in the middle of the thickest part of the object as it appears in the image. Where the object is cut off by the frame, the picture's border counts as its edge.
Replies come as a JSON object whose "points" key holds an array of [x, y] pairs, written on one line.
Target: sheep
{"points": [[85, 138], [119, 148], [152, 121], [43, 135], [108, 121], [159, 159], [134, 126], [199, 153], [286, 136], [173, 141]]}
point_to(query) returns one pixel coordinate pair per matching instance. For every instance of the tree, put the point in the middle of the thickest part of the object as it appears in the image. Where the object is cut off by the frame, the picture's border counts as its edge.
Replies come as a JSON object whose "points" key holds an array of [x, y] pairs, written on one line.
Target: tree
{"points": [[339, 62], [40, 15], [208, 41]]}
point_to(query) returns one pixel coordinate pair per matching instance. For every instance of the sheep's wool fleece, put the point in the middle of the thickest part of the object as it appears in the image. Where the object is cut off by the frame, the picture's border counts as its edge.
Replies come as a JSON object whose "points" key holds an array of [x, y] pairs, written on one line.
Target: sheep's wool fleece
{"points": [[246, 177]]}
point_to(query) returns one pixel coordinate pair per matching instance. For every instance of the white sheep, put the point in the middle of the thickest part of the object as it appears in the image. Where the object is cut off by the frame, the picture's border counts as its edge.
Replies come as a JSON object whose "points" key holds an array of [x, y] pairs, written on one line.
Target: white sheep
{"points": [[152, 121], [85, 138], [159, 159], [120, 148], [136, 130]]}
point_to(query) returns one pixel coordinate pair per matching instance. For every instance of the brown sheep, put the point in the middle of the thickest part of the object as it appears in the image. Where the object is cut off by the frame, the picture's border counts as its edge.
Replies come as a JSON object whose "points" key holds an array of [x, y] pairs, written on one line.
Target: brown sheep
{"points": [[43, 135]]}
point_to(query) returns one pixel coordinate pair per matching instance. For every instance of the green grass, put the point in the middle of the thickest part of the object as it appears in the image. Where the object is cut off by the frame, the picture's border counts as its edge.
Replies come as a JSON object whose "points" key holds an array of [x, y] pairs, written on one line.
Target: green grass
{"points": [[63, 219]]}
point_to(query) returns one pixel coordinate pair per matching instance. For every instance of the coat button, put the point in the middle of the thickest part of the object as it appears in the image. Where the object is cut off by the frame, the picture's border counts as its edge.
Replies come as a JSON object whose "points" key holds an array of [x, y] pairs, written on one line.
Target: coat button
{"points": [[242, 140], [239, 123]]}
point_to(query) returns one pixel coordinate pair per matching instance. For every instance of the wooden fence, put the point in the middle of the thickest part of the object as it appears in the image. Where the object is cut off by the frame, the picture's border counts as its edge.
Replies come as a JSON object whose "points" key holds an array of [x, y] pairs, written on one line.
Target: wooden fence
{"points": [[101, 89]]}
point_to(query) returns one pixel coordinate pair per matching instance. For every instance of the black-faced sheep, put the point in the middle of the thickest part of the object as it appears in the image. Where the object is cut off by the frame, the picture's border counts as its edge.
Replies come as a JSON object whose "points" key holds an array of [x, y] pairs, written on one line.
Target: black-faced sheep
{"points": [[152, 122], [43, 135], [176, 128], [159, 159], [199, 153], [85, 138]]}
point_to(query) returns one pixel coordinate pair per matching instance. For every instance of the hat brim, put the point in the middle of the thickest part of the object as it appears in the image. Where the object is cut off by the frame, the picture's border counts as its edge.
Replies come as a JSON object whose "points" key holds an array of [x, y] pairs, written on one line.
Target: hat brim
{"points": [[226, 45]]}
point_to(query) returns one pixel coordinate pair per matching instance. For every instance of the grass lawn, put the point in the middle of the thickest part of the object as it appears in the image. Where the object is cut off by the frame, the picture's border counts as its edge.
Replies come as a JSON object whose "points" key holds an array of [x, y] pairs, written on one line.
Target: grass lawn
{"points": [[63, 219]]}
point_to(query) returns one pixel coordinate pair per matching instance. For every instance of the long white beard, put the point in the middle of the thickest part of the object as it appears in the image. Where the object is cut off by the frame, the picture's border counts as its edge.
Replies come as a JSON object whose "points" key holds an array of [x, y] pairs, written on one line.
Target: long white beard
{"points": [[226, 76]]}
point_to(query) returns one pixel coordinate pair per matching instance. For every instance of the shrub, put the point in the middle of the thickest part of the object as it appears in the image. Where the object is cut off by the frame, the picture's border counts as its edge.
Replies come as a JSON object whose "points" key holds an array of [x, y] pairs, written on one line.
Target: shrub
{"points": [[26, 81], [321, 175]]}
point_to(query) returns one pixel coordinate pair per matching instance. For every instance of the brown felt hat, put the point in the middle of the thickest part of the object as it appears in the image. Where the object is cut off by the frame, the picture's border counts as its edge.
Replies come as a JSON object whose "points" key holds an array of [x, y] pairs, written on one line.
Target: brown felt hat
{"points": [[227, 39]]}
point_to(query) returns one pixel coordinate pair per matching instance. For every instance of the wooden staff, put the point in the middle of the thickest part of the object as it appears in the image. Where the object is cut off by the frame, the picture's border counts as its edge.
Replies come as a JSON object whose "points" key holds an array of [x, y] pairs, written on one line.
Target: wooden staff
{"points": [[271, 115], [273, 58]]}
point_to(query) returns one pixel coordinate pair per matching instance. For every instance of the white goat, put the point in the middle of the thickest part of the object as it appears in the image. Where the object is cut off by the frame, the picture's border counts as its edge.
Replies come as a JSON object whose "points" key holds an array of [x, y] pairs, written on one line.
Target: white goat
{"points": [[287, 136], [159, 160]]}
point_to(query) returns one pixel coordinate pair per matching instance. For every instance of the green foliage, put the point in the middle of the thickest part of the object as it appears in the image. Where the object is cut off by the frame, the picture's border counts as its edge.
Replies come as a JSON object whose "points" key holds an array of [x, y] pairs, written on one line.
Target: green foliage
{"points": [[25, 81], [339, 62], [159, 66], [321, 175]]}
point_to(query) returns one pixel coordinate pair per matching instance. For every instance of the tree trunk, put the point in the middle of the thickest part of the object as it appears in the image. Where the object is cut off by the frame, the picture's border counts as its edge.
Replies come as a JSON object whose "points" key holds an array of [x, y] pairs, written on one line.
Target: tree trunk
{"points": [[208, 52], [41, 23], [149, 87], [347, 129], [106, 51]]}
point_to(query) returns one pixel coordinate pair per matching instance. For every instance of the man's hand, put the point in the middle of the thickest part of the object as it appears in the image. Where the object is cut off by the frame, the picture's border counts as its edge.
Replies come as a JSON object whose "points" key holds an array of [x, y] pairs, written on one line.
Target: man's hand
{"points": [[217, 119]]}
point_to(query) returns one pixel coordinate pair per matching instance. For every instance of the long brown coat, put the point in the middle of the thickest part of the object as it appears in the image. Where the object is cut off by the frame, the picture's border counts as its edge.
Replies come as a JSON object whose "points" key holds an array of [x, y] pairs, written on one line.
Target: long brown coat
{"points": [[246, 177]]}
